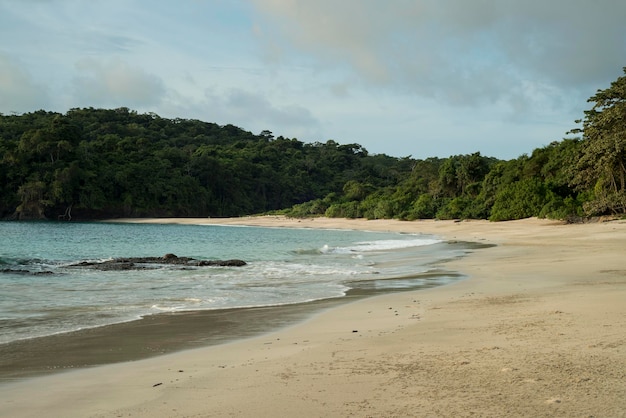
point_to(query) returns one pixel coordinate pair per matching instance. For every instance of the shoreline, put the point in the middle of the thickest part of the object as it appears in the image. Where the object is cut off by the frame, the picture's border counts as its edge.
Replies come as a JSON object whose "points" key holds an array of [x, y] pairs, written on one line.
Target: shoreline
{"points": [[150, 336], [537, 330], [171, 332], [155, 334]]}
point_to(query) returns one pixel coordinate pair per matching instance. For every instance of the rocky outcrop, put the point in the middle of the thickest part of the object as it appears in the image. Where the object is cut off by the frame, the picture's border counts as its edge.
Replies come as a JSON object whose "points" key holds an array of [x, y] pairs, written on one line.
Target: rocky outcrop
{"points": [[26, 272], [136, 263]]}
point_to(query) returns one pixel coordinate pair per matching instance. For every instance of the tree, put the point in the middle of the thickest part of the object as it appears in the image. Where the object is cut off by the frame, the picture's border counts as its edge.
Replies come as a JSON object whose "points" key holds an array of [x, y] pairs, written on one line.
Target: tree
{"points": [[602, 162], [354, 190], [522, 199], [462, 174], [33, 200]]}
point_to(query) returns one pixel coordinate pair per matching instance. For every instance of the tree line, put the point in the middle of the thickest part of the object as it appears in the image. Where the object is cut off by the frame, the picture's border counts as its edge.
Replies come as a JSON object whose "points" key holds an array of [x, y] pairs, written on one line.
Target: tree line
{"points": [[106, 163]]}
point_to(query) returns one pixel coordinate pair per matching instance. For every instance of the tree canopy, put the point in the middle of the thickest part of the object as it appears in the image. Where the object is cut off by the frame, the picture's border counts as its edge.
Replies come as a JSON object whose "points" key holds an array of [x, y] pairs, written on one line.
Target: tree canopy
{"points": [[602, 164], [93, 163]]}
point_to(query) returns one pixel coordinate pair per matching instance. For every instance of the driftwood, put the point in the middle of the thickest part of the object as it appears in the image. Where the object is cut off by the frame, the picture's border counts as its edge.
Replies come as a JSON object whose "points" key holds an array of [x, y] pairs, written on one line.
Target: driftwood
{"points": [[67, 216]]}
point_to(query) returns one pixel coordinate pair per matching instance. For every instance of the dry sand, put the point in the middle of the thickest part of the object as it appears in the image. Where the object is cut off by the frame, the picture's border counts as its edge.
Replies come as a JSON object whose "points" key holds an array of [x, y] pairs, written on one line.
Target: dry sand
{"points": [[539, 330]]}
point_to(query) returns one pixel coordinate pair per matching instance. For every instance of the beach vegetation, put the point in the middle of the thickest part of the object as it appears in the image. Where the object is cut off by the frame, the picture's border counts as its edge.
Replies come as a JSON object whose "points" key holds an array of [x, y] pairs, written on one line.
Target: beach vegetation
{"points": [[106, 163], [601, 166]]}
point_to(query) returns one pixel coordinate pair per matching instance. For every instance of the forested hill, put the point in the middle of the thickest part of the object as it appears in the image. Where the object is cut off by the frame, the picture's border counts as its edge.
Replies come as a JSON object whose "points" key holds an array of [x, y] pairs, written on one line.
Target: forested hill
{"points": [[106, 163], [94, 163]]}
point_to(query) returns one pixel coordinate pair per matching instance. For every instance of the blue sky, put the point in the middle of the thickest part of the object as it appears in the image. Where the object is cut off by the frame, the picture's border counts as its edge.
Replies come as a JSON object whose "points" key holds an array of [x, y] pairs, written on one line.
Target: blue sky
{"points": [[425, 78]]}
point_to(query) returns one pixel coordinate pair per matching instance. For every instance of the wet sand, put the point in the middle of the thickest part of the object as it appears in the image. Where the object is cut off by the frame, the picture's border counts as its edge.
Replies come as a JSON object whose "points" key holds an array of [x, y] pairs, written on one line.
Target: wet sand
{"points": [[538, 329], [150, 336], [166, 333]]}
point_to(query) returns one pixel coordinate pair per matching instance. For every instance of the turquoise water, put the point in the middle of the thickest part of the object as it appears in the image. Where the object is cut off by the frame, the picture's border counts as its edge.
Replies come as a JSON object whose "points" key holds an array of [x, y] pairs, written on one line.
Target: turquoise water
{"points": [[40, 294]]}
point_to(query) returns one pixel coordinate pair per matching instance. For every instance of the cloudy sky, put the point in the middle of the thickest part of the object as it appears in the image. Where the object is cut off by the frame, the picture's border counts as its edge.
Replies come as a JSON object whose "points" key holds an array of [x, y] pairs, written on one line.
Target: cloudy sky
{"points": [[402, 77]]}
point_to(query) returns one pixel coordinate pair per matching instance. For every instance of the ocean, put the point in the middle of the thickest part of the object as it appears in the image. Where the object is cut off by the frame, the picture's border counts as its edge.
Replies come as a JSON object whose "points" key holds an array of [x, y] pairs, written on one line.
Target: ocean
{"points": [[43, 292]]}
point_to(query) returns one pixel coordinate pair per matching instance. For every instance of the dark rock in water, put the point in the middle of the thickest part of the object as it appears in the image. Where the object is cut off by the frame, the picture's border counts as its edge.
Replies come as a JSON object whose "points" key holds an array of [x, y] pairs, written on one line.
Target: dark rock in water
{"points": [[137, 263], [26, 272], [222, 263]]}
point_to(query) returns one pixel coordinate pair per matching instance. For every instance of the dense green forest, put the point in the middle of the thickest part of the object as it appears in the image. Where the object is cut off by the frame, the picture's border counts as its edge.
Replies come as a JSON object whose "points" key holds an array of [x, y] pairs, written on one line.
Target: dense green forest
{"points": [[106, 163]]}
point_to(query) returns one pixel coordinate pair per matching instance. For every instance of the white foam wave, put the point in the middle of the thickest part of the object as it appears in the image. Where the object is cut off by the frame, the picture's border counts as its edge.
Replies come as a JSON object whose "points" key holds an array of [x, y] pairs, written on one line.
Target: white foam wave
{"points": [[381, 245], [297, 272]]}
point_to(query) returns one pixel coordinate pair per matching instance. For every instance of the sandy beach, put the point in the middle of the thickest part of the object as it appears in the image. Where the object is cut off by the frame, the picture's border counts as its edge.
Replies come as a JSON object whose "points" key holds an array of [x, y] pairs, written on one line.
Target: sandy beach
{"points": [[538, 330]]}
